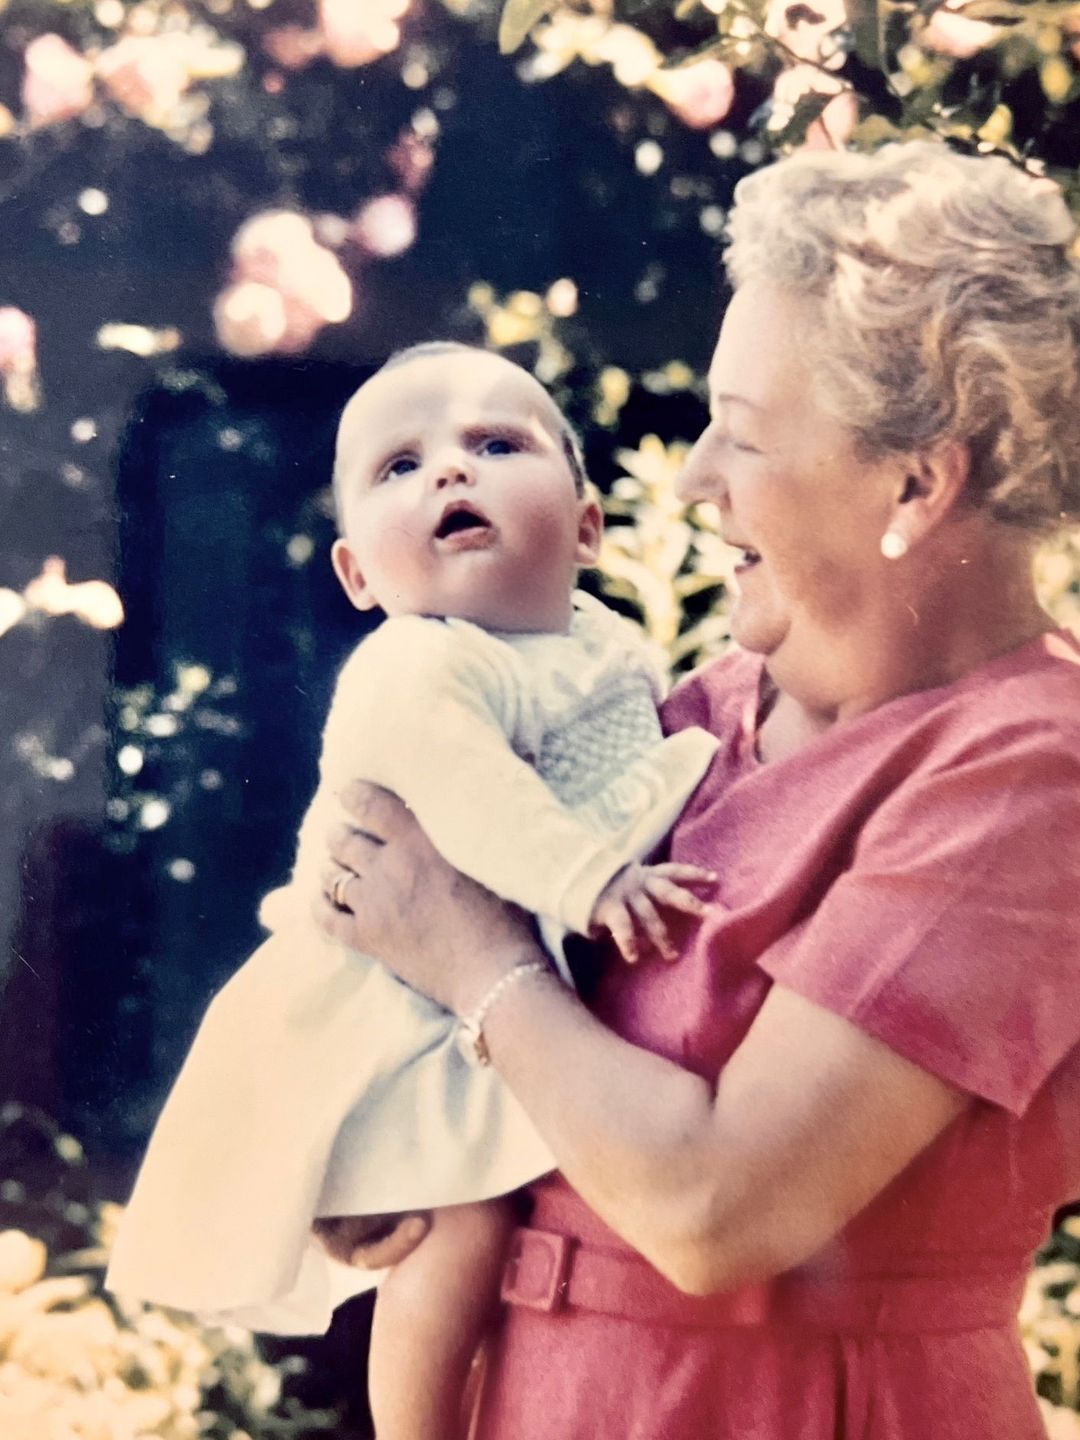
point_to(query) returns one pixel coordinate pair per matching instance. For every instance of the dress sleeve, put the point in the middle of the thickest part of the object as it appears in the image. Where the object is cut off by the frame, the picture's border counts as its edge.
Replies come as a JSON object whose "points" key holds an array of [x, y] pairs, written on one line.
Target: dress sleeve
{"points": [[954, 935]]}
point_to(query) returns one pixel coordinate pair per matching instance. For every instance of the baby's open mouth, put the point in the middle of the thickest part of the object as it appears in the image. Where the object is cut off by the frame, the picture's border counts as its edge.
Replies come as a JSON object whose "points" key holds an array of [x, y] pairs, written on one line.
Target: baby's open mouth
{"points": [[459, 518]]}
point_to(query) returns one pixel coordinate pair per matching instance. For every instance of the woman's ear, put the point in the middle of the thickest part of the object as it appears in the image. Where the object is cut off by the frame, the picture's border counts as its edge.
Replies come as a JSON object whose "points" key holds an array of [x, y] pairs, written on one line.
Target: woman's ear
{"points": [[590, 531], [352, 580], [930, 486]]}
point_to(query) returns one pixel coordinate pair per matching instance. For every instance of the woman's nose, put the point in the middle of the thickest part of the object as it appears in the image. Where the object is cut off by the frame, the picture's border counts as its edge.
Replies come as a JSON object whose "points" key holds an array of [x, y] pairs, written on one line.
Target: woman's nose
{"points": [[700, 477]]}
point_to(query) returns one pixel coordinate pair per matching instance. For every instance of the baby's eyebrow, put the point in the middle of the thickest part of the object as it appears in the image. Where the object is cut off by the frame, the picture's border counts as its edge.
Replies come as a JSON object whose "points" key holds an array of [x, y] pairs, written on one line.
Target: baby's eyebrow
{"points": [[374, 461], [501, 422], [532, 429]]}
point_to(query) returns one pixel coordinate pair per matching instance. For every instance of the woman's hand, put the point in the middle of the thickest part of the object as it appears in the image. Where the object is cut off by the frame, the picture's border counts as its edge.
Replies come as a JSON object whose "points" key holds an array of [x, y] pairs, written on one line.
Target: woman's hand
{"points": [[389, 893]]}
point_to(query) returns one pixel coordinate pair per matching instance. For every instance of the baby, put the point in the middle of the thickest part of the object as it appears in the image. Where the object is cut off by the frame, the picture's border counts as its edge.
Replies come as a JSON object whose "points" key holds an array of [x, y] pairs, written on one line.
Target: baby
{"points": [[517, 718]]}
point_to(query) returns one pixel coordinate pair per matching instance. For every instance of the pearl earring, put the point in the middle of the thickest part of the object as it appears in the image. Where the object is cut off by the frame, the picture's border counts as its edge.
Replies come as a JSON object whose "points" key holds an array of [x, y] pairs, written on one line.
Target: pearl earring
{"points": [[893, 544]]}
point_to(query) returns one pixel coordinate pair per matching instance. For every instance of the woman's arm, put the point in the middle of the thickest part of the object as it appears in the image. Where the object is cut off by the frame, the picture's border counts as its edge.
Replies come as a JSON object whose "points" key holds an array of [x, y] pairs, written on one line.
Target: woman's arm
{"points": [[714, 1185], [719, 1186]]}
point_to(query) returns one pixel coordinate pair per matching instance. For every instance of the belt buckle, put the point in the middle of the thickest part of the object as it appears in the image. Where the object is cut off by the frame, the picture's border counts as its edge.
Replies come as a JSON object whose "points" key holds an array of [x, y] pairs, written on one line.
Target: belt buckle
{"points": [[537, 1270]]}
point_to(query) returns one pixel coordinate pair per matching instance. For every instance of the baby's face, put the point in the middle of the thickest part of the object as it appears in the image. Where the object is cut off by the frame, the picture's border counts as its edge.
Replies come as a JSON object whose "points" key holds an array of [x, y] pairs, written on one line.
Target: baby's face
{"points": [[457, 498]]}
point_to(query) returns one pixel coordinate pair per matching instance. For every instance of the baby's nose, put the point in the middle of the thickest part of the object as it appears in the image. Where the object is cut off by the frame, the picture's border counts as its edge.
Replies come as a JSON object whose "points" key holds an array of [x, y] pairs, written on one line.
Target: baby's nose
{"points": [[453, 469]]}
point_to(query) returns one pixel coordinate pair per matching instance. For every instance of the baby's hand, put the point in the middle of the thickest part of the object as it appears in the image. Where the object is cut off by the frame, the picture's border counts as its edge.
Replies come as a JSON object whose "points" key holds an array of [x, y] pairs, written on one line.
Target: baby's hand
{"points": [[630, 899]]}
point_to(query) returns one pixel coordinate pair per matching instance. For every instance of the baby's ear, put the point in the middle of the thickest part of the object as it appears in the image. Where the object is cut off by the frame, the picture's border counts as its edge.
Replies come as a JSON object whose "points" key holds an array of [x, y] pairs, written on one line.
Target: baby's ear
{"points": [[352, 580], [590, 530]]}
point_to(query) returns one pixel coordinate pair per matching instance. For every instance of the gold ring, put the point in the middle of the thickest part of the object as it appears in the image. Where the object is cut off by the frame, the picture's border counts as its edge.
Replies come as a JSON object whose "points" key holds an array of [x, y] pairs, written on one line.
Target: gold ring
{"points": [[337, 890]]}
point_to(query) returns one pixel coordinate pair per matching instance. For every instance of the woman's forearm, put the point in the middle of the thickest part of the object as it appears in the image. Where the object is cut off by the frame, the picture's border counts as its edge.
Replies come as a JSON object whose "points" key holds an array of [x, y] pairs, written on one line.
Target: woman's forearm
{"points": [[719, 1186], [633, 1133], [716, 1185]]}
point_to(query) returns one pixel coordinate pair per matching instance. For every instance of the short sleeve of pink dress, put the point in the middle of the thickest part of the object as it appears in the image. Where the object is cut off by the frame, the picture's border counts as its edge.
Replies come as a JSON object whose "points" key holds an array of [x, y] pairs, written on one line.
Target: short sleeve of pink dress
{"points": [[917, 871]]}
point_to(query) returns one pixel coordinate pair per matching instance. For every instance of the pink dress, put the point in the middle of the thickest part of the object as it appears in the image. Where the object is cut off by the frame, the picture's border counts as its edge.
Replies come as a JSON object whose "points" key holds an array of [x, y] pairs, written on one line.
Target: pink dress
{"points": [[916, 870]]}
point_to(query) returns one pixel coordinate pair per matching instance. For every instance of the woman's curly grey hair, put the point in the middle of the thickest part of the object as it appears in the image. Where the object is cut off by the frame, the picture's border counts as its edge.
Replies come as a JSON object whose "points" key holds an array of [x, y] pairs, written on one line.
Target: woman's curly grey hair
{"points": [[948, 304]]}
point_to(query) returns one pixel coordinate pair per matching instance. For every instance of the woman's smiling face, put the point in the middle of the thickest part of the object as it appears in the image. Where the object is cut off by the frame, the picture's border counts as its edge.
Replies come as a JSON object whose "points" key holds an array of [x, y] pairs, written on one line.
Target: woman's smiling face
{"points": [[791, 491]]}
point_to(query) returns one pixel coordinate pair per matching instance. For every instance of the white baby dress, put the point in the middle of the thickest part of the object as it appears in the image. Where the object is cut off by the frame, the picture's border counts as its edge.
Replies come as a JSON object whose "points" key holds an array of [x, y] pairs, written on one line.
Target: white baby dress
{"points": [[318, 1084]]}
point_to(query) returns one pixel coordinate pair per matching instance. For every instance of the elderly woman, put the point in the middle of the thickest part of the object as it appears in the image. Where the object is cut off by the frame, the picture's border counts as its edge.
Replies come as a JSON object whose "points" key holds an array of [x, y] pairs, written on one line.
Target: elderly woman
{"points": [[803, 1168]]}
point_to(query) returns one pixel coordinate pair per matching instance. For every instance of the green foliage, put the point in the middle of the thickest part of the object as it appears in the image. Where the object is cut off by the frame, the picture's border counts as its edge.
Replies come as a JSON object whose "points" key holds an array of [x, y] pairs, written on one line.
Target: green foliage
{"points": [[1050, 1326], [985, 75], [518, 18], [77, 1362]]}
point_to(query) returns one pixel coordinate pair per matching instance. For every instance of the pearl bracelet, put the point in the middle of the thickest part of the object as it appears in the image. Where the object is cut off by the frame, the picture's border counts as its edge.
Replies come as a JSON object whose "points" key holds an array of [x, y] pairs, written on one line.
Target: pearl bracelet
{"points": [[472, 1025]]}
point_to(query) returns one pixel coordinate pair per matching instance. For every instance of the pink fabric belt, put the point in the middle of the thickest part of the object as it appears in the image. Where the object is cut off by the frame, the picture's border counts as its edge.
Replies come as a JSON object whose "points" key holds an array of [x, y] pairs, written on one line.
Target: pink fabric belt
{"points": [[550, 1272]]}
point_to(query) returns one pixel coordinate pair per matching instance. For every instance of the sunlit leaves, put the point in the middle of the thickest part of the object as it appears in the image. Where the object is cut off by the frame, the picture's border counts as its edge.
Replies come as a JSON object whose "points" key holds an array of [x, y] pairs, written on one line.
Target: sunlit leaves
{"points": [[518, 18], [76, 1362], [1057, 579], [858, 71], [50, 593], [665, 561]]}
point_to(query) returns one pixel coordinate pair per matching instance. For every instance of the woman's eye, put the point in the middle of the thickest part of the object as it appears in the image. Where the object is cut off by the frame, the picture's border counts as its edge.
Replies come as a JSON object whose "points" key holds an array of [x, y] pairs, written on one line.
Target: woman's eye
{"points": [[726, 438], [498, 445]]}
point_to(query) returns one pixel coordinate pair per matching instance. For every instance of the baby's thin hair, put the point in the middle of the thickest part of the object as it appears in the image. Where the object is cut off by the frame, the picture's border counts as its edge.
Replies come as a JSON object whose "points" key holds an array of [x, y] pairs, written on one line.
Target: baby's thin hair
{"points": [[431, 350]]}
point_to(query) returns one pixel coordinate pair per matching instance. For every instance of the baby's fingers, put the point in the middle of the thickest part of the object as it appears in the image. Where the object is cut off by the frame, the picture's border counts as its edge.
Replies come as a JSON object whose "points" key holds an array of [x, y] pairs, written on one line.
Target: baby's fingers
{"points": [[675, 897], [621, 928], [684, 874], [648, 917]]}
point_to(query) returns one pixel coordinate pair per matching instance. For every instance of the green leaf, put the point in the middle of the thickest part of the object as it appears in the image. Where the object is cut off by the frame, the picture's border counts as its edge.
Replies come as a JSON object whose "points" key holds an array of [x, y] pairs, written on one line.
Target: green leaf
{"points": [[876, 130], [809, 108], [707, 48], [867, 19], [518, 18], [688, 586]]}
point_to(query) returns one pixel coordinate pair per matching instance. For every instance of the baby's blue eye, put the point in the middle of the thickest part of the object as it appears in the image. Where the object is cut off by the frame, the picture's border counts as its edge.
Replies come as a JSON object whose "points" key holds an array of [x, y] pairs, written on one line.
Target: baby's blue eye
{"points": [[400, 465], [499, 445]]}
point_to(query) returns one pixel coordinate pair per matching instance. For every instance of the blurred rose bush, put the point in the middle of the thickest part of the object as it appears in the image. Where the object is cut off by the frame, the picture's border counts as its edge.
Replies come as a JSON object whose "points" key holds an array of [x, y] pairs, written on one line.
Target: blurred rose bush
{"points": [[76, 1364], [79, 1365], [285, 287], [1050, 1325]]}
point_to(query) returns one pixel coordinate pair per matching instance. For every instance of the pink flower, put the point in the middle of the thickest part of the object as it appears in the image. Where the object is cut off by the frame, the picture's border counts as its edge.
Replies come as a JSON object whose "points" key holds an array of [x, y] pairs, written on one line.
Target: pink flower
{"points": [[412, 158], [804, 28], [270, 244], [832, 128], [385, 226], [278, 248], [251, 320], [145, 74], [285, 287], [700, 94], [356, 33], [18, 342], [18, 359], [293, 47], [57, 83]]}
